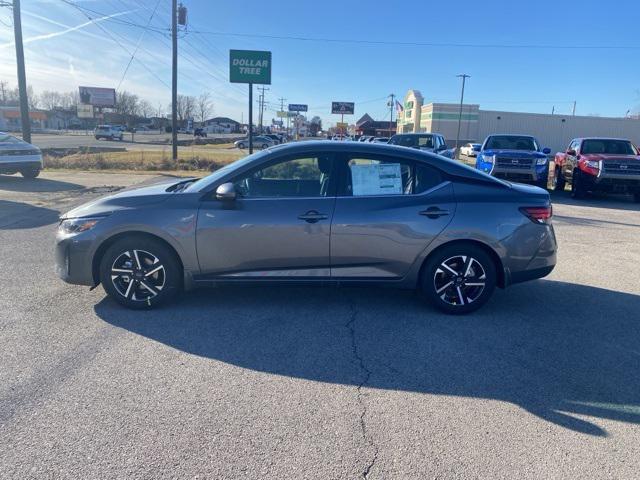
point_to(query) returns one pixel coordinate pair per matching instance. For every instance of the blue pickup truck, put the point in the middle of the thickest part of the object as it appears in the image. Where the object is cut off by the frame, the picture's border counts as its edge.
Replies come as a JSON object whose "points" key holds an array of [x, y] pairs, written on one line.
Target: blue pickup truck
{"points": [[514, 157]]}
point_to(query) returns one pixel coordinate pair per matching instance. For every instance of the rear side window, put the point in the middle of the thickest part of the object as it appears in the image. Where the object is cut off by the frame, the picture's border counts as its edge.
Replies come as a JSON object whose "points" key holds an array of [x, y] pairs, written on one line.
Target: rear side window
{"points": [[380, 176]]}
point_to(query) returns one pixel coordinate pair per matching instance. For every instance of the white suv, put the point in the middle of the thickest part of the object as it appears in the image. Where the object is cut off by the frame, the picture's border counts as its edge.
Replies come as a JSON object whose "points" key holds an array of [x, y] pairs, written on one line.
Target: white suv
{"points": [[108, 132]]}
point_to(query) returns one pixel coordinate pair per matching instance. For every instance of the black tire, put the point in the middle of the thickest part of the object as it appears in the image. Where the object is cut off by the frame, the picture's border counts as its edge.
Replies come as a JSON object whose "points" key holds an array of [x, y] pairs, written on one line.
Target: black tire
{"points": [[141, 291], [241, 146], [558, 181], [264, 145], [469, 295], [30, 173], [578, 189], [543, 182]]}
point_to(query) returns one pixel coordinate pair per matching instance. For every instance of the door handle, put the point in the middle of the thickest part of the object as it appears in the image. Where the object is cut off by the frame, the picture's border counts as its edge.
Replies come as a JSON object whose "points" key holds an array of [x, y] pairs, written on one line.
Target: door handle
{"points": [[434, 212], [313, 216]]}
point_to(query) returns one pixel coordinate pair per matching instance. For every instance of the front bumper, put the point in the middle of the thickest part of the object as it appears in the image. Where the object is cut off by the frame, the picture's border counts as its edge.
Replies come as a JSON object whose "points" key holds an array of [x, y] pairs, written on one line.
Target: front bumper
{"points": [[612, 183], [74, 258], [520, 175]]}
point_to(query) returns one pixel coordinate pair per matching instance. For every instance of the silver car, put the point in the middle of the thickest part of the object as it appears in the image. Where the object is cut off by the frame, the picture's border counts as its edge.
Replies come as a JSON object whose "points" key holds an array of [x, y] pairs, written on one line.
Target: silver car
{"points": [[19, 156], [319, 213]]}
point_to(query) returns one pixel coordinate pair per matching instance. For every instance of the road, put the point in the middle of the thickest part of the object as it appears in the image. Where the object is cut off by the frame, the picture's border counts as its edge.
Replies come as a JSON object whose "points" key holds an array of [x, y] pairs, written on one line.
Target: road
{"points": [[143, 141], [298, 382]]}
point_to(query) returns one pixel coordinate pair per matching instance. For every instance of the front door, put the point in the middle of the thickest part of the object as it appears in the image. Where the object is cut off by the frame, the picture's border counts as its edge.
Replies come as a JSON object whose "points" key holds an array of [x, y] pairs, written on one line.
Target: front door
{"points": [[278, 227], [387, 212]]}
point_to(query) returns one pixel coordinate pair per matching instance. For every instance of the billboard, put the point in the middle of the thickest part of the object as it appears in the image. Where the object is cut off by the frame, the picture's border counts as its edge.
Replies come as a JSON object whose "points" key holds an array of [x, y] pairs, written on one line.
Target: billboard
{"points": [[343, 108], [250, 66], [298, 107], [98, 97], [85, 111]]}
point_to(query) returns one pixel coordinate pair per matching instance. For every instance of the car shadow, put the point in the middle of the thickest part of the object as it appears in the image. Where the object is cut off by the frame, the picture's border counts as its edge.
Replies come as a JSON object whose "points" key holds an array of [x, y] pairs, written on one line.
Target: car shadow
{"points": [[16, 215], [558, 350], [617, 202], [16, 183]]}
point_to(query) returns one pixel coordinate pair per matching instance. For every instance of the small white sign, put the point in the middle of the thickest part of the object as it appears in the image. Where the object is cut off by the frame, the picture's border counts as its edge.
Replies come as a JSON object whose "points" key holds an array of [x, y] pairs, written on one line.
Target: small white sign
{"points": [[376, 179]]}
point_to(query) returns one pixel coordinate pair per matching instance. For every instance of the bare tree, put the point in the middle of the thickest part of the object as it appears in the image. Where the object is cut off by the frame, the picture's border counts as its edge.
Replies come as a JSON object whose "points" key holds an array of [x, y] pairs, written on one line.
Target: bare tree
{"points": [[204, 107], [185, 107], [145, 109], [126, 103], [50, 99]]}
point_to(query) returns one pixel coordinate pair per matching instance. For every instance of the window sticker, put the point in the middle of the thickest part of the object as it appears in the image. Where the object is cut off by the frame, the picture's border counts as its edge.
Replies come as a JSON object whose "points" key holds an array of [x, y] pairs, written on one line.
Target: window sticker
{"points": [[376, 179]]}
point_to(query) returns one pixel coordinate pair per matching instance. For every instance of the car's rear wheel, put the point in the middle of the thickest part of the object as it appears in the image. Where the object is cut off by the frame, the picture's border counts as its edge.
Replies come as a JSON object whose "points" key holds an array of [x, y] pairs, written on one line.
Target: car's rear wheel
{"points": [[140, 272], [458, 279], [558, 181], [30, 172], [241, 146], [578, 189], [264, 145]]}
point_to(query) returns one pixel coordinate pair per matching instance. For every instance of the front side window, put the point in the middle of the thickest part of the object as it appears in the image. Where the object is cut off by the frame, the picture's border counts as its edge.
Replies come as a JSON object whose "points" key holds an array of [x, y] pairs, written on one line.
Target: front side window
{"points": [[297, 177], [376, 176]]}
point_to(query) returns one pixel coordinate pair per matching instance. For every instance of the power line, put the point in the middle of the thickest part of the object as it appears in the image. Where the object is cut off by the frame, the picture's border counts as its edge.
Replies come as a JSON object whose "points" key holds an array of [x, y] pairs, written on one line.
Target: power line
{"points": [[124, 74], [420, 44]]}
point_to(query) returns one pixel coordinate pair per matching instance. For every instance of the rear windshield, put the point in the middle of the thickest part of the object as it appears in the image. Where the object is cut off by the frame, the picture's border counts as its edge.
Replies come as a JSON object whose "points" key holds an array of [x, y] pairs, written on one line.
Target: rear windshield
{"points": [[424, 141], [4, 138], [510, 142], [616, 147]]}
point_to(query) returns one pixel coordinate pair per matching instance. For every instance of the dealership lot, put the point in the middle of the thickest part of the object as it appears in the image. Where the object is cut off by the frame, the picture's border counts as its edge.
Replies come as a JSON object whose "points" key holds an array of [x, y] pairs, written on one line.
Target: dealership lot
{"points": [[324, 383]]}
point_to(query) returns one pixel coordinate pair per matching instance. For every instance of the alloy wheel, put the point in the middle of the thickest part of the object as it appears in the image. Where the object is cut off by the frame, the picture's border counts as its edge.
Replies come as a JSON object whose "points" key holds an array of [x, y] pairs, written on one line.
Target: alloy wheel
{"points": [[459, 280], [138, 275]]}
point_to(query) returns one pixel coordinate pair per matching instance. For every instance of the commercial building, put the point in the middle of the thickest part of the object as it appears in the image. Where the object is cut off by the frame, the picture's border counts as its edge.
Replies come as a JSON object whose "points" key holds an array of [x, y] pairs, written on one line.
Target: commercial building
{"points": [[377, 128], [10, 119], [553, 131]]}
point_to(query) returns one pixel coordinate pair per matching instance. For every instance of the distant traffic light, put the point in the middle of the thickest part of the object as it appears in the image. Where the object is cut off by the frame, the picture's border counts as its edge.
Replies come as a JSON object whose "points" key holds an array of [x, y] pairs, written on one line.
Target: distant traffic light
{"points": [[182, 15]]}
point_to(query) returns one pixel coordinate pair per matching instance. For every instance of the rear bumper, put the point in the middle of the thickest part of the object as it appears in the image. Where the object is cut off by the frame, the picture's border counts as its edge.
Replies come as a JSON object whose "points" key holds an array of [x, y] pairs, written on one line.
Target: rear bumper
{"points": [[13, 165]]}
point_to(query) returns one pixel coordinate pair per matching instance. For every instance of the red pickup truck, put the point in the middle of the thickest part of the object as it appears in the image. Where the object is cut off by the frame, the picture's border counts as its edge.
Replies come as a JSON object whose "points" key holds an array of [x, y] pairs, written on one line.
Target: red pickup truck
{"points": [[608, 165]]}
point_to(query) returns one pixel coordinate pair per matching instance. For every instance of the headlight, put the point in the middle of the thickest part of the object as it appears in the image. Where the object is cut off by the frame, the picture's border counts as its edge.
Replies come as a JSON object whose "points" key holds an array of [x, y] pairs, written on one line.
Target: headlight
{"points": [[592, 164], [76, 225], [488, 158], [541, 161]]}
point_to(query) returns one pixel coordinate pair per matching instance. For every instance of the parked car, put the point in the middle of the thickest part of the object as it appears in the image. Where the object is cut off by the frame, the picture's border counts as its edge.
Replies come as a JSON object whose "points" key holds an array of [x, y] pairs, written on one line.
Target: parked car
{"points": [[470, 149], [108, 132], [609, 165], [276, 139], [199, 132], [319, 213], [514, 157], [365, 138], [259, 141], [428, 142], [16, 155], [380, 140]]}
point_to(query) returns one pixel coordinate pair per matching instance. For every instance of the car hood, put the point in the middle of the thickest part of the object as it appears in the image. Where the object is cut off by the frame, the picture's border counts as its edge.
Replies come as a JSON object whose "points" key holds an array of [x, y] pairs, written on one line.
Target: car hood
{"points": [[608, 156], [17, 146], [514, 153], [126, 199]]}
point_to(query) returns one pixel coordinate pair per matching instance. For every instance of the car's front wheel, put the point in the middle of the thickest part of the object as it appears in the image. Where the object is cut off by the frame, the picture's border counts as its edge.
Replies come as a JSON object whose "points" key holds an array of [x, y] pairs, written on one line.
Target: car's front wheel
{"points": [[241, 146], [558, 181], [140, 272], [458, 279], [578, 188]]}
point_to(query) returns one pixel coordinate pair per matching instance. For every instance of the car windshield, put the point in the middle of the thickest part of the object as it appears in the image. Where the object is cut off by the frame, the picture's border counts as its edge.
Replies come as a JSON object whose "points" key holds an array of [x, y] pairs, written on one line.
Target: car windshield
{"points": [[4, 138], [511, 142], [423, 141], [615, 147], [209, 179]]}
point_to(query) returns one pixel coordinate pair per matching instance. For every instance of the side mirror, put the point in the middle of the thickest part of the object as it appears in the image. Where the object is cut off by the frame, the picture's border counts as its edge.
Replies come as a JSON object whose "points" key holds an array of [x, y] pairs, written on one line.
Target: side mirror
{"points": [[226, 192], [546, 151], [440, 148], [571, 152]]}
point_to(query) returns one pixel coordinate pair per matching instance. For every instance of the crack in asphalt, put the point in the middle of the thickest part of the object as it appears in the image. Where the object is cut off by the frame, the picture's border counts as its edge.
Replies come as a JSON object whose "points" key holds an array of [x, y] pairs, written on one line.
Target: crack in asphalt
{"points": [[366, 376]]}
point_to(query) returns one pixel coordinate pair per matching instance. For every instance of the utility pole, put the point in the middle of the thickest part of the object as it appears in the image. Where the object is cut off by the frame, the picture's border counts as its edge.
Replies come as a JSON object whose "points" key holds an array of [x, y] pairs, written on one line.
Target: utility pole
{"points": [[22, 79], [464, 77], [174, 80], [391, 105], [282, 100], [573, 112], [262, 90]]}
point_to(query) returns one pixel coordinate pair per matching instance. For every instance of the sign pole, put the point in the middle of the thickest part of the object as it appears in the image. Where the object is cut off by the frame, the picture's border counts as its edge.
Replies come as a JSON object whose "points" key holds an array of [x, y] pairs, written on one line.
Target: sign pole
{"points": [[250, 118]]}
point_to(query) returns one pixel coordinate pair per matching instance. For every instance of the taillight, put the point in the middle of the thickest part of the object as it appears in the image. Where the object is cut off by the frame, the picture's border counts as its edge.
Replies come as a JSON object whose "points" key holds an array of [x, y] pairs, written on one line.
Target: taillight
{"points": [[539, 215]]}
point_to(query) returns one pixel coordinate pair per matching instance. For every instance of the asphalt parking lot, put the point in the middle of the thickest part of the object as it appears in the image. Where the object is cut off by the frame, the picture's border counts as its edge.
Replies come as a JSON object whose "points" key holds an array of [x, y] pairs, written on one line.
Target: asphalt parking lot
{"points": [[319, 383]]}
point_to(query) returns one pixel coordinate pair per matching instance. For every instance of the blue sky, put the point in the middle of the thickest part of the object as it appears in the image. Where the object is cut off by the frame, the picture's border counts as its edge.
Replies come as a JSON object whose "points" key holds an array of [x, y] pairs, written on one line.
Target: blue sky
{"points": [[64, 49]]}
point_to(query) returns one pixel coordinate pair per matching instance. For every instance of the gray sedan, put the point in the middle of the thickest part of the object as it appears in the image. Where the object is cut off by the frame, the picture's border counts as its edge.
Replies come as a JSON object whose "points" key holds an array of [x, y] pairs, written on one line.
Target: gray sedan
{"points": [[319, 213]]}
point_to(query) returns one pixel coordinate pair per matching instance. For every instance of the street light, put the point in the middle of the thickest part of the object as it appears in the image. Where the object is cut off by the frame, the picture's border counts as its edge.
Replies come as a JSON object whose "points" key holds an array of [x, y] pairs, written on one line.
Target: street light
{"points": [[464, 77]]}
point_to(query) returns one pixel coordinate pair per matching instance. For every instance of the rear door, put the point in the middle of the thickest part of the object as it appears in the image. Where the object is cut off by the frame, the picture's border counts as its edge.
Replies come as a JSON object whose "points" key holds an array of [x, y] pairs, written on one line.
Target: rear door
{"points": [[388, 210], [278, 226]]}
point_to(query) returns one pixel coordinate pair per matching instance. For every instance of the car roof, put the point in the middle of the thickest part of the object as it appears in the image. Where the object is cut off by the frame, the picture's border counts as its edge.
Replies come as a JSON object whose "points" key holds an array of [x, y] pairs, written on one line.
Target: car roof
{"points": [[602, 138], [510, 135], [416, 134]]}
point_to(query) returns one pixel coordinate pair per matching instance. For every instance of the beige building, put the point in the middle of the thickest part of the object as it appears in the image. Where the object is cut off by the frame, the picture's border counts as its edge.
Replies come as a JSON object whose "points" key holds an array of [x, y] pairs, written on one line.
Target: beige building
{"points": [[553, 131]]}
